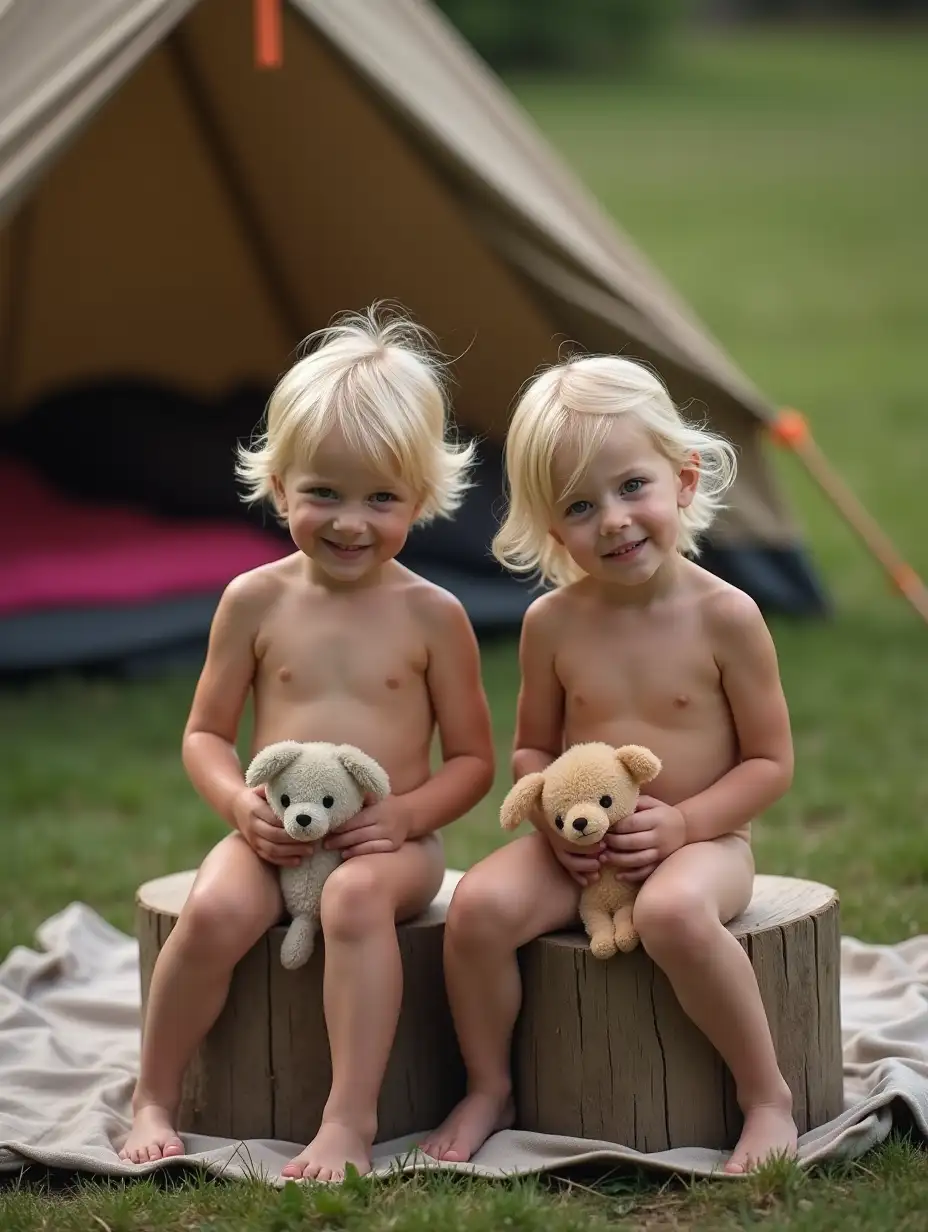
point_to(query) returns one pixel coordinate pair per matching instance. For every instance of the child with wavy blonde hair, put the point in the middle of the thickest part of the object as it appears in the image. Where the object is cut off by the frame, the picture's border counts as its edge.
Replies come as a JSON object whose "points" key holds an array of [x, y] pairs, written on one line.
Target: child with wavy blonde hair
{"points": [[609, 490], [336, 642]]}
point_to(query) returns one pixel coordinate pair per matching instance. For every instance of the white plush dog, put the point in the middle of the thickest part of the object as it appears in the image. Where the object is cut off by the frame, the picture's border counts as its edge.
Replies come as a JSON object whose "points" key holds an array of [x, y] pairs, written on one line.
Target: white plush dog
{"points": [[313, 788]]}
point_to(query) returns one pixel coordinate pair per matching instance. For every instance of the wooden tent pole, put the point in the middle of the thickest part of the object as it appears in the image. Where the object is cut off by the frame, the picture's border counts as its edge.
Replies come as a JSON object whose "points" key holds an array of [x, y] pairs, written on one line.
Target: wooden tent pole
{"points": [[791, 430], [268, 22]]}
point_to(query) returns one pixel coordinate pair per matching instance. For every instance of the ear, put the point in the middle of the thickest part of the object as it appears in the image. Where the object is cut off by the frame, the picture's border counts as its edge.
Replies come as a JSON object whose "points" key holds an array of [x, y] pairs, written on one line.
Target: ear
{"points": [[271, 761], [688, 481], [522, 798], [641, 763], [369, 775], [280, 495]]}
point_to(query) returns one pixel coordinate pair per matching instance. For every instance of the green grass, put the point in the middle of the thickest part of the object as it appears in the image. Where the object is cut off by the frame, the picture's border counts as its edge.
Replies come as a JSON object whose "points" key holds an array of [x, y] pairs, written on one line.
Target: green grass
{"points": [[889, 1193], [780, 184]]}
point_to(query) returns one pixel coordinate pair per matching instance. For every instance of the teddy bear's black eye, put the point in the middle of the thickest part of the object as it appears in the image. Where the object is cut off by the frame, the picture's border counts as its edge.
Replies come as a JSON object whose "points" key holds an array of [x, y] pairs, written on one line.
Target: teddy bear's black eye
{"points": [[285, 801], [328, 801], [559, 822], [605, 801]]}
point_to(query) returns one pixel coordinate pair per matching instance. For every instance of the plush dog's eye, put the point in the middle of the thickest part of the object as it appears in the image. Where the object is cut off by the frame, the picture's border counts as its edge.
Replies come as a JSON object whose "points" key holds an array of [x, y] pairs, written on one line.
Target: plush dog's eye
{"points": [[328, 801], [605, 801], [559, 822], [285, 801]]}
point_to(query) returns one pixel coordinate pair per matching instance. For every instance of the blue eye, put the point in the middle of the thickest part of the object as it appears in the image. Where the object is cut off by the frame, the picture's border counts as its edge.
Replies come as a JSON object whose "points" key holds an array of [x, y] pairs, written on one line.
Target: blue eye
{"points": [[321, 493], [382, 498], [631, 486], [578, 507]]}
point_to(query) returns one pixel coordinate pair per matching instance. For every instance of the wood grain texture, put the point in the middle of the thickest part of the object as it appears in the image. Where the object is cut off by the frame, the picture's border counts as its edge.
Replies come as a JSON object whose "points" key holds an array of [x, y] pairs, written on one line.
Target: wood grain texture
{"points": [[603, 1050], [264, 1070]]}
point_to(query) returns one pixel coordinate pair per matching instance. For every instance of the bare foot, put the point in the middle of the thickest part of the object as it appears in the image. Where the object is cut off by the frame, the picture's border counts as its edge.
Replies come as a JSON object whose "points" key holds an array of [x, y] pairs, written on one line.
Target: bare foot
{"points": [[325, 1158], [152, 1136], [470, 1124], [769, 1129]]}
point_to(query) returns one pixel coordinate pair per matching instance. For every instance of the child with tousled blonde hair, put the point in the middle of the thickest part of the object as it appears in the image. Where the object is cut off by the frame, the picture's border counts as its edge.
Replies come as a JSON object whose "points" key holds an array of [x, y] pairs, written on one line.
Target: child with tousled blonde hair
{"points": [[336, 642], [609, 491]]}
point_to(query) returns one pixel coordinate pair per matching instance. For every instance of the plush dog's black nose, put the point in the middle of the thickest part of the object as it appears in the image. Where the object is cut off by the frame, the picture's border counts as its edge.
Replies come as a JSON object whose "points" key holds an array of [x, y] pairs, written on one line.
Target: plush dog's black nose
{"points": [[303, 818], [580, 824]]}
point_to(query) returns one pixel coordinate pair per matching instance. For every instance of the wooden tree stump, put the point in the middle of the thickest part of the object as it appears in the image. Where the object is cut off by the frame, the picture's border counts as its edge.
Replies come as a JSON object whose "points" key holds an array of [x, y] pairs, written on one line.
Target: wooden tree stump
{"points": [[603, 1050], [264, 1070]]}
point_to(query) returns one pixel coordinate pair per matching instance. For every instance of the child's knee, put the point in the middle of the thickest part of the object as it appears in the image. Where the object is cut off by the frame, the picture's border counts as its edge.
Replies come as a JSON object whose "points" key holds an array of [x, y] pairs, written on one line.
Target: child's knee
{"points": [[220, 925], [478, 911], [354, 902], [671, 919]]}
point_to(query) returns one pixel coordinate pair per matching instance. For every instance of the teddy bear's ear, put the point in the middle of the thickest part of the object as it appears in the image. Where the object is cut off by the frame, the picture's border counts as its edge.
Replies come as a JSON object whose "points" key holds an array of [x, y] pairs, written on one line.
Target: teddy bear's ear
{"points": [[369, 775], [641, 763], [271, 761], [522, 798]]}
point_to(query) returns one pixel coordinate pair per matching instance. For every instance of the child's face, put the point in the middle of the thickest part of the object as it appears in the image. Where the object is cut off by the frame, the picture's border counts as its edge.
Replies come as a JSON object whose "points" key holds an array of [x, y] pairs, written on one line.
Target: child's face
{"points": [[621, 521], [346, 515]]}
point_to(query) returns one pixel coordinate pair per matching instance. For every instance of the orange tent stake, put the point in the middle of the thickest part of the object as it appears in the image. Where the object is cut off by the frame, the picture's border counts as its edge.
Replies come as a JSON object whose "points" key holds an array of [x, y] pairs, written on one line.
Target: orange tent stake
{"points": [[269, 50], [791, 430]]}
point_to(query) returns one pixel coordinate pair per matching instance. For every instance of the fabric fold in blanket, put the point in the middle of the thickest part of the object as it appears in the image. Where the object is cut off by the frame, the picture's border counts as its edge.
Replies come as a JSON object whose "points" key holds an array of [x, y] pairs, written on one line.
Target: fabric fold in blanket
{"points": [[69, 1037]]}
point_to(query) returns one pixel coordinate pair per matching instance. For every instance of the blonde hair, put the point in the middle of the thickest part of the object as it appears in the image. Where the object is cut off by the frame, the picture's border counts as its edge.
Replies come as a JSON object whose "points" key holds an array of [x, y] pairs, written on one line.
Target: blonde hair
{"points": [[373, 376], [573, 405]]}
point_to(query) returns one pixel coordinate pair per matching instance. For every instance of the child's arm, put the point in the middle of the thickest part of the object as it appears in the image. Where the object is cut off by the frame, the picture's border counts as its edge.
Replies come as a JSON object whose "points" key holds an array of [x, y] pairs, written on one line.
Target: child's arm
{"points": [[539, 738], [540, 711], [748, 664], [747, 660], [209, 752], [462, 717]]}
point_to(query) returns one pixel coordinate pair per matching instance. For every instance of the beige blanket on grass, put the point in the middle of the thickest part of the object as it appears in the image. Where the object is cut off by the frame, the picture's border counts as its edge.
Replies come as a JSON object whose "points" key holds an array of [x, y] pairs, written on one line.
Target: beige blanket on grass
{"points": [[69, 1034]]}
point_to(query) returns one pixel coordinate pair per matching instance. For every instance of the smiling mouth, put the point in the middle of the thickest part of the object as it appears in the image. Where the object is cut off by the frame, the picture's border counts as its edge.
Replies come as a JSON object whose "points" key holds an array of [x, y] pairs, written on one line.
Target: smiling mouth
{"points": [[346, 549], [626, 549]]}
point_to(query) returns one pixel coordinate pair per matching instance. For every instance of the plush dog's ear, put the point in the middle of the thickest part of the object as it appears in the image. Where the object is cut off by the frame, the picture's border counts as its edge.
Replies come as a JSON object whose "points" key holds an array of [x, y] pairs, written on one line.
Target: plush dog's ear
{"points": [[369, 775], [271, 761], [522, 798], [641, 763]]}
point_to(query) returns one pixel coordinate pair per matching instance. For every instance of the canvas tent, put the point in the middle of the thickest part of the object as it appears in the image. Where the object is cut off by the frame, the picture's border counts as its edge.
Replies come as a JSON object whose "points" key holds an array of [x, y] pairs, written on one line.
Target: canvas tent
{"points": [[174, 221]]}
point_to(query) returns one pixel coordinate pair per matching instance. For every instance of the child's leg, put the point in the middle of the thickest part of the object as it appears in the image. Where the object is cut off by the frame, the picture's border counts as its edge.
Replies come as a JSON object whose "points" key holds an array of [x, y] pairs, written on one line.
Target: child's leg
{"points": [[680, 915], [505, 901], [362, 990], [234, 901]]}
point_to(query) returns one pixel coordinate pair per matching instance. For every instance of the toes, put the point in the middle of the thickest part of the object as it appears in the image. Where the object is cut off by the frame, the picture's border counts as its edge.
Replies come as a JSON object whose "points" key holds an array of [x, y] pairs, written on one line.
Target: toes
{"points": [[736, 1167], [173, 1146]]}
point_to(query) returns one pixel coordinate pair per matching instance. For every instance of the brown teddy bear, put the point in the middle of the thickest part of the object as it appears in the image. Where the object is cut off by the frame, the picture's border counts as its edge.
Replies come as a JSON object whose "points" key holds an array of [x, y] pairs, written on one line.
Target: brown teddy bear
{"points": [[588, 790]]}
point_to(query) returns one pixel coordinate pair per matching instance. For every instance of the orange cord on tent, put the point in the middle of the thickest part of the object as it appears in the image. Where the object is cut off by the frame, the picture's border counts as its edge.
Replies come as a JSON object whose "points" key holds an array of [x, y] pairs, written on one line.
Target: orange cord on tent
{"points": [[269, 43], [791, 430]]}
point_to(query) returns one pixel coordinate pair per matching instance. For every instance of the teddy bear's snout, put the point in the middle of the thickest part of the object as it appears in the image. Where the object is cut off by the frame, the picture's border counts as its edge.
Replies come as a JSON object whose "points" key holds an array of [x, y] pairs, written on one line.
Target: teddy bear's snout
{"points": [[586, 823], [306, 824]]}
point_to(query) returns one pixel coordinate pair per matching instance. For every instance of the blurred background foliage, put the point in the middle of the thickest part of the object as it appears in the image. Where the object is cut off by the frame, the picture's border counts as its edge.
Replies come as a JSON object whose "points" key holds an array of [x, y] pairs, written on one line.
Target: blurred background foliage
{"points": [[548, 35]]}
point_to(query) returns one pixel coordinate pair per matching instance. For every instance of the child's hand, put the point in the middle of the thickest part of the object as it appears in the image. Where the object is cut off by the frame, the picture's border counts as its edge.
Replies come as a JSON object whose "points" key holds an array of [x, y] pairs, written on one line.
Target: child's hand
{"points": [[381, 826], [653, 832], [582, 863], [263, 830]]}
